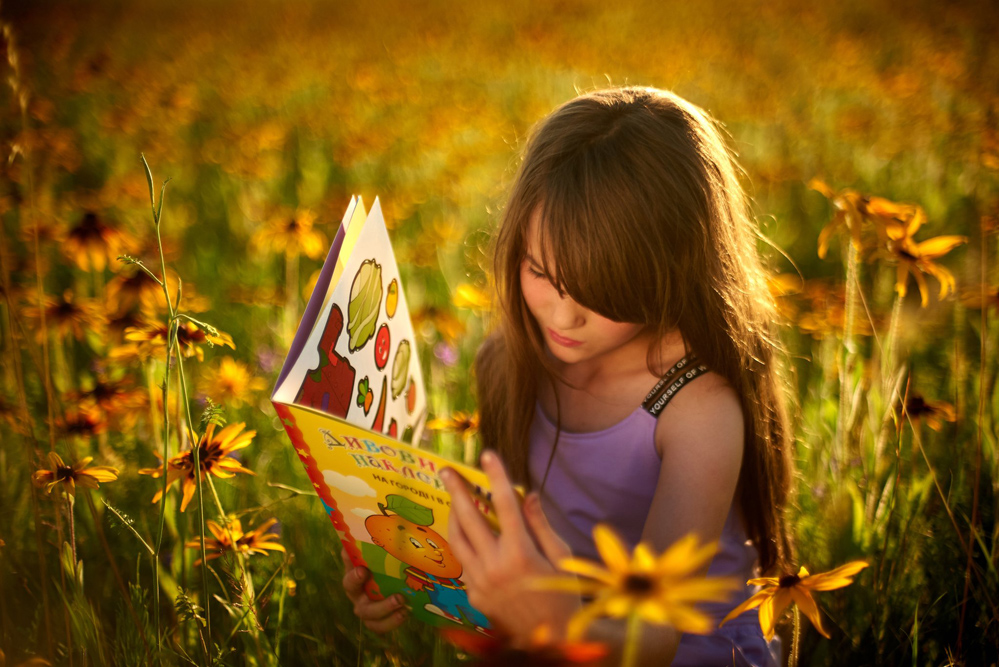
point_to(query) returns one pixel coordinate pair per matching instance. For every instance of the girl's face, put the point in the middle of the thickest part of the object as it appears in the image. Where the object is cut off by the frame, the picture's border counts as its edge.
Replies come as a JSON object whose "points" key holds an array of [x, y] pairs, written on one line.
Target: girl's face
{"points": [[572, 332]]}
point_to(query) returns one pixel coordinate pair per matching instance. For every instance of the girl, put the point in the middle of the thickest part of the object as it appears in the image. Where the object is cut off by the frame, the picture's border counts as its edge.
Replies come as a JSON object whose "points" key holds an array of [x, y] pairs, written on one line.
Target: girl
{"points": [[632, 378]]}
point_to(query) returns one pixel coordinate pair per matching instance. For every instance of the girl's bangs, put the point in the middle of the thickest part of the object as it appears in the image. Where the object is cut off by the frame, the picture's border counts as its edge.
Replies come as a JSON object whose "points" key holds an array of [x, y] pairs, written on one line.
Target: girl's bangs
{"points": [[588, 243]]}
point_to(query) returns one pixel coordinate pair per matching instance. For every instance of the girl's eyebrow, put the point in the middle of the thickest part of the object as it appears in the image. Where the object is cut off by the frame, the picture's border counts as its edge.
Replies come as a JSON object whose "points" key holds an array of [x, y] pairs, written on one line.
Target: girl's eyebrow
{"points": [[530, 258]]}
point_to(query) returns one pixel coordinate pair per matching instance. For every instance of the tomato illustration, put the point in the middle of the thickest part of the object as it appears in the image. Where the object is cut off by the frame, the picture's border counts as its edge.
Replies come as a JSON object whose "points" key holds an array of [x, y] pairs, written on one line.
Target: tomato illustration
{"points": [[382, 345]]}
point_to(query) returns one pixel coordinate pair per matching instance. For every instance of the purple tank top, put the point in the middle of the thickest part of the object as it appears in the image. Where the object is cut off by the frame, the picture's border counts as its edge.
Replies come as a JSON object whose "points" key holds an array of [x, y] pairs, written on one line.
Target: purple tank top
{"points": [[609, 477]]}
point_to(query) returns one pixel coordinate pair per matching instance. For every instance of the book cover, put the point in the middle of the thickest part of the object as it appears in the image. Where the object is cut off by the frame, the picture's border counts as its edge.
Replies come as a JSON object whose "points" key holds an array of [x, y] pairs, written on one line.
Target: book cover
{"points": [[352, 399]]}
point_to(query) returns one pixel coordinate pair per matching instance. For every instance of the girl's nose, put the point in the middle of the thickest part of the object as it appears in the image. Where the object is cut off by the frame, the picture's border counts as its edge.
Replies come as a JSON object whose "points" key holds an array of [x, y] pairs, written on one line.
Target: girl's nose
{"points": [[567, 314]]}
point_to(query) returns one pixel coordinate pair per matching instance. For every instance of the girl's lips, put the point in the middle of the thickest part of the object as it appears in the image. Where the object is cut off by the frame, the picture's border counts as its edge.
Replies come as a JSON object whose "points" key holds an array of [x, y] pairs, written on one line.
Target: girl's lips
{"points": [[562, 340]]}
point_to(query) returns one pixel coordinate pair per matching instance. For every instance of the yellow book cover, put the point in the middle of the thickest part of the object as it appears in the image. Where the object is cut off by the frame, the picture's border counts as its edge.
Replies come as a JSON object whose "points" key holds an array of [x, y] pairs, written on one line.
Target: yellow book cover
{"points": [[352, 399]]}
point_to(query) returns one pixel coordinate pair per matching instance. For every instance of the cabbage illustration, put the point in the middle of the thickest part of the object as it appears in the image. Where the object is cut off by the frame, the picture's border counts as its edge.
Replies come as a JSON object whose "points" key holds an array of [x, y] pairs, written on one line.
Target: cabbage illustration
{"points": [[400, 369], [365, 303]]}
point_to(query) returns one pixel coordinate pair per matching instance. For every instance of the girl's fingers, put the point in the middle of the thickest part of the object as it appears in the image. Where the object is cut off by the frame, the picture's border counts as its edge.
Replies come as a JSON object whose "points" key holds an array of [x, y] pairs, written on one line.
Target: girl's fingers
{"points": [[551, 545], [505, 499], [462, 548], [377, 615], [387, 624], [476, 531]]}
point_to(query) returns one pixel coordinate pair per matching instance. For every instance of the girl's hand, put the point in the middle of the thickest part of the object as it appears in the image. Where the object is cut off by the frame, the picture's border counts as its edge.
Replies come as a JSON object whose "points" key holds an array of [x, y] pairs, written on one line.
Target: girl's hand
{"points": [[377, 615], [497, 567]]}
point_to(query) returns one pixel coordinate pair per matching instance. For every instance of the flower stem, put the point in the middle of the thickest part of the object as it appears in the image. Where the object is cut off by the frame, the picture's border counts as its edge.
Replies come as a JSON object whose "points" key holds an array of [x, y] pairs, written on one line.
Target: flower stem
{"points": [[72, 528], [632, 639], [793, 658]]}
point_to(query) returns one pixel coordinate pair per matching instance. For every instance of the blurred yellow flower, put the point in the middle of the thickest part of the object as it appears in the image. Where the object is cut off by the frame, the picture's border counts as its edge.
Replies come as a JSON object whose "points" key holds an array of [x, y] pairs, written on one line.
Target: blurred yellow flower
{"points": [[470, 296], [779, 592], [69, 476], [230, 382], [460, 423], [256, 541], [917, 259], [846, 214], [92, 243], [430, 320], [66, 315], [660, 590], [974, 298], [213, 456], [292, 233], [934, 413], [84, 419], [114, 398], [152, 338]]}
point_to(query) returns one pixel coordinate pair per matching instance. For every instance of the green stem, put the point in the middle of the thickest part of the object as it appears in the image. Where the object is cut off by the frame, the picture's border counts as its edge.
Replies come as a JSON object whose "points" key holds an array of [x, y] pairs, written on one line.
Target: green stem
{"points": [[795, 639], [849, 354], [632, 640]]}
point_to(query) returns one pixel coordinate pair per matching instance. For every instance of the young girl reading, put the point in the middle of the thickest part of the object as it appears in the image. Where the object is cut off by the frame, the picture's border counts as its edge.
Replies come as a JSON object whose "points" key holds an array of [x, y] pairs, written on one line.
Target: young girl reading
{"points": [[632, 379]]}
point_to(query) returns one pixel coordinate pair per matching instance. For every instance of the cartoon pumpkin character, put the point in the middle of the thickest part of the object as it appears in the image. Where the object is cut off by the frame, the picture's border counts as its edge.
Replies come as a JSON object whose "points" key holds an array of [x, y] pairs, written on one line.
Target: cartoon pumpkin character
{"points": [[403, 530]]}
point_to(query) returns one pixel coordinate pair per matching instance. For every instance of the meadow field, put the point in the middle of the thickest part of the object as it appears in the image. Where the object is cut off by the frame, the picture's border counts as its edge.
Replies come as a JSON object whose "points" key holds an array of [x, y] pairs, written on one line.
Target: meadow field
{"points": [[869, 136]]}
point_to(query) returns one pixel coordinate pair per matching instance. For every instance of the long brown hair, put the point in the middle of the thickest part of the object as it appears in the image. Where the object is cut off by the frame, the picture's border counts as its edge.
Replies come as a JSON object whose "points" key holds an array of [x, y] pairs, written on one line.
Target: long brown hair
{"points": [[646, 220]]}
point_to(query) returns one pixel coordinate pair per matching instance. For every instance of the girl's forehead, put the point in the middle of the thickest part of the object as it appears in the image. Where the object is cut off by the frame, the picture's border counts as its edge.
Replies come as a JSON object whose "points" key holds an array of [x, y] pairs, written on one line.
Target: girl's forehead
{"points": [[532, 236]]}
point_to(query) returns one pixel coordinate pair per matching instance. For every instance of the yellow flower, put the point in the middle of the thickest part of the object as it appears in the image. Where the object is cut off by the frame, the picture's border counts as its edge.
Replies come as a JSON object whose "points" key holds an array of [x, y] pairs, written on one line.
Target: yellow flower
{"points": [[257, 541], [71, 475], [934, 413], [431, 319], [230, 382], [459, 423], [92, 243], [661, 590], [114, 398], [470, 296], [846, 214], [917, 259], [291, 232], [84, 419], [66, 316], [213, 456], [779, 592], [190, 337]]}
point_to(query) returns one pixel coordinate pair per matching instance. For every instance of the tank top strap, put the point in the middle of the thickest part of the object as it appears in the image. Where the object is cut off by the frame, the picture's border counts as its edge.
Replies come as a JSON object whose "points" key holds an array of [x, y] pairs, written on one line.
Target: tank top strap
{"points": [[672, 382]]}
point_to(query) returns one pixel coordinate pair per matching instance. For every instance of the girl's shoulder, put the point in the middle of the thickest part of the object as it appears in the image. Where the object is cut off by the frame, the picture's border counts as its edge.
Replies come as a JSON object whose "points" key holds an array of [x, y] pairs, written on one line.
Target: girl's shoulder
{"points": [[704, 419]]}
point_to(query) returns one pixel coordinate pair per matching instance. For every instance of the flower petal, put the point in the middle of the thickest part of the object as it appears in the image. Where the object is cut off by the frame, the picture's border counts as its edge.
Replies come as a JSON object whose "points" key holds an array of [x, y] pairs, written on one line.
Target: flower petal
{"points": [[611, 548], [836, 578], [751, 603], [807, 605]]}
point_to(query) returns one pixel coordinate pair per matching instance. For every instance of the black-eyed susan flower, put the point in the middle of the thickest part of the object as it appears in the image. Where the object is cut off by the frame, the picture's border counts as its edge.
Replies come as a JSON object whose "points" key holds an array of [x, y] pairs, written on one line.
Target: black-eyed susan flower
{"points": [[83, 419], [934, 413], [918, 259], [230, 382], [66, 315], [432, 321], [69, 475], [659, 590], [152, 338], [292, 233], [92, 243], [213, 458], [460, 423], [779, 592], [232, 538], [115, 398], [541, 651]]}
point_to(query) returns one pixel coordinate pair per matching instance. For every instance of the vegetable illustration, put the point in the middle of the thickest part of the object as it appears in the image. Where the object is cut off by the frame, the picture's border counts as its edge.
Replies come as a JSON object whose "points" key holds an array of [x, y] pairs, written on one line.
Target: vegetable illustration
{"points": [[364, 395], [400, 368], [392, 298], [365, 304], [380, 415], [393, 429], [411, 396], [383, 343]]}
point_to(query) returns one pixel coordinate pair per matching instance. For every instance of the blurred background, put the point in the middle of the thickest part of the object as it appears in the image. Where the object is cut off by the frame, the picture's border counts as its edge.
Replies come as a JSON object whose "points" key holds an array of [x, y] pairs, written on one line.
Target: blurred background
{"points": [[267, 116]]}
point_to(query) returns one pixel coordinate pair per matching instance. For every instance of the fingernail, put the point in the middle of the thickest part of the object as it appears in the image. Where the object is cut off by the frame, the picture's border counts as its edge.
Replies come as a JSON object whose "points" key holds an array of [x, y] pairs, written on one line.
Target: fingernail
{"points": [[399, 600], [359, 573], [488, 457], [445, 474]]}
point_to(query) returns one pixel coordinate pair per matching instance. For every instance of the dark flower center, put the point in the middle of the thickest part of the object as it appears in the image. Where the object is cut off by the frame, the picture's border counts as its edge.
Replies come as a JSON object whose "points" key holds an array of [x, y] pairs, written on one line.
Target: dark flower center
{"points": [[637, 584], [789, 580], [64, 472]]}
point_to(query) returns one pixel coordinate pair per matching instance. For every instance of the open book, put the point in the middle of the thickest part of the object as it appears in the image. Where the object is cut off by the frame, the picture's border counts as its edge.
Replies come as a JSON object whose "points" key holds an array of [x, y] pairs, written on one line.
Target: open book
{"points": [[352, 399]]}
